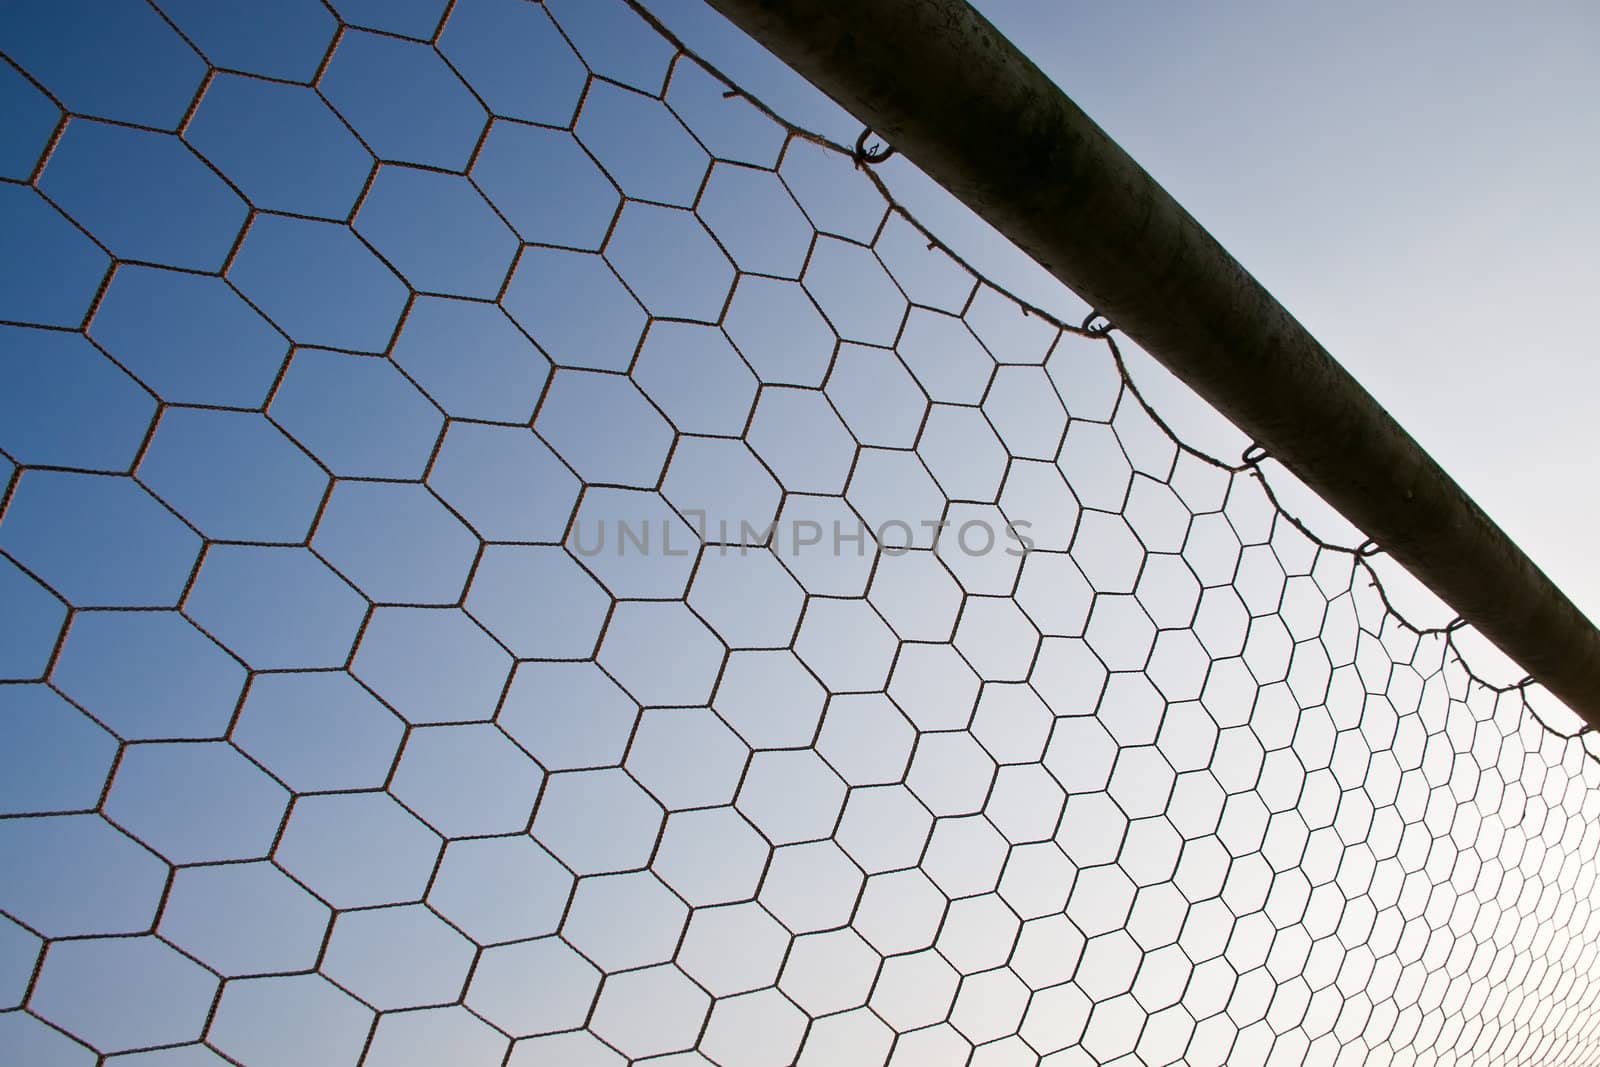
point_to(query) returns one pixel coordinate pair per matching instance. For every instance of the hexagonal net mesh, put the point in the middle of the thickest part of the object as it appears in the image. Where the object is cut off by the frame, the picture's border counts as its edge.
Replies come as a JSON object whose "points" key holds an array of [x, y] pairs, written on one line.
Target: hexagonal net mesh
{"points": [[512, 554]]}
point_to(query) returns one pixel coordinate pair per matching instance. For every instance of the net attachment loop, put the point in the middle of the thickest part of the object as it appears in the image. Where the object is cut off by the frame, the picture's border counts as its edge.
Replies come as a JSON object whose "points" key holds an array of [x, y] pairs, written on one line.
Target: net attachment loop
{"points": [[865, 153], [1100, 328]]}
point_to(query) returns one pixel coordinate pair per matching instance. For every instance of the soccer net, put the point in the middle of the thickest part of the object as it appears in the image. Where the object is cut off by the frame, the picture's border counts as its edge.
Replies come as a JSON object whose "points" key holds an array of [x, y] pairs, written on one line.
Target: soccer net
{"points": [[513, 554]]}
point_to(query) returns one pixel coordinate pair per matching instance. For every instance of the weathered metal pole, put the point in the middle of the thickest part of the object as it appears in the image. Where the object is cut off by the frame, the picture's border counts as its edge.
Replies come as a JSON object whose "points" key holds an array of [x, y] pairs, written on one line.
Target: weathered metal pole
{"points": [[945, 88]]}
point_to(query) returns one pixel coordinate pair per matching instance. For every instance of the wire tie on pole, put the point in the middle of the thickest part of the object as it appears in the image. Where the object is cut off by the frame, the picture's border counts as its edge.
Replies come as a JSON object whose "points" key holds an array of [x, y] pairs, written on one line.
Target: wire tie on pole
{"points": [[1088, 324], [877, 154], [1253, 456], [1368, 548]]}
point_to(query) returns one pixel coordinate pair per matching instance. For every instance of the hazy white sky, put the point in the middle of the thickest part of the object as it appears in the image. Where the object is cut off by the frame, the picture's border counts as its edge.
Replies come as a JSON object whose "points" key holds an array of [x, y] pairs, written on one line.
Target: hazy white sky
{"points": [[1412, 181]]}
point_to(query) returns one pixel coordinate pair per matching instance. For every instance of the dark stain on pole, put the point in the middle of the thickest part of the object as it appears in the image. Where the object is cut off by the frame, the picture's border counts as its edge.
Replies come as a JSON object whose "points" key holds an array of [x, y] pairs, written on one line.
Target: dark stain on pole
{"points": [[941, 85]]}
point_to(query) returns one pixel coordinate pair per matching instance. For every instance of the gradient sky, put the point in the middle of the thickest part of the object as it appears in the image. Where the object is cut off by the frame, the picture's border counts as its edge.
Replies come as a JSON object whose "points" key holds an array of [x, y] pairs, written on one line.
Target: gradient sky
{"points": [[323, 737], [1410, 180]]}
